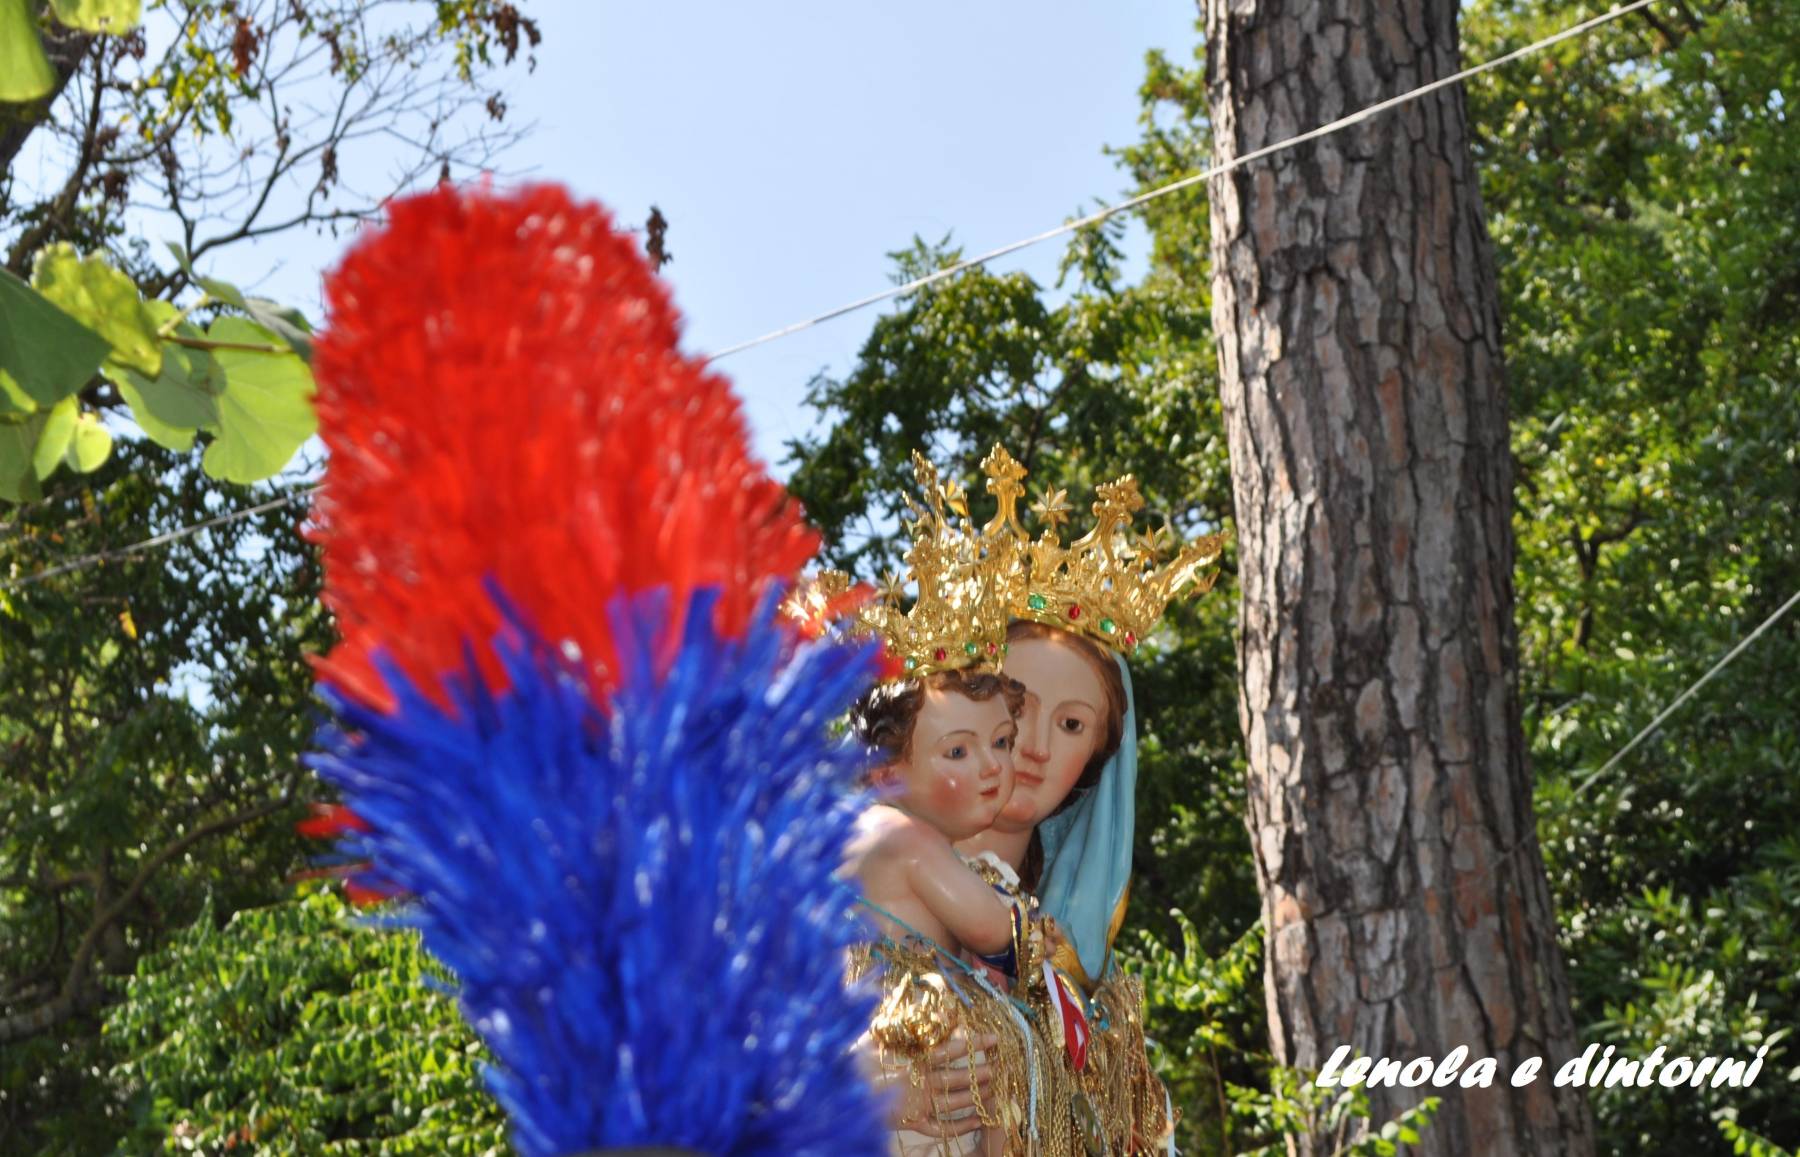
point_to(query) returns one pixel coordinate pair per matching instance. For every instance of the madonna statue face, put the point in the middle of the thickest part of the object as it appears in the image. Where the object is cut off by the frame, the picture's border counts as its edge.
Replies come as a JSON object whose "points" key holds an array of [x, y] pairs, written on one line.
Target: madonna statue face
{"points": [[1069, 726]]}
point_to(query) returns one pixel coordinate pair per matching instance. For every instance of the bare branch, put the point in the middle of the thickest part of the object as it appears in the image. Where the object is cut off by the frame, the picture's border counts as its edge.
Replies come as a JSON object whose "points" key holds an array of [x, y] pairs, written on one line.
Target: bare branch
{"points": [[396, 103], [30, 240]]}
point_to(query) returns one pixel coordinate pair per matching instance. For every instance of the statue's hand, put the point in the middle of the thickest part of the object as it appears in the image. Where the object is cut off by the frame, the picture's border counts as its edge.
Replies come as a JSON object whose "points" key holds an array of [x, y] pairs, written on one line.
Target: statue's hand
{"points": [[949, 1087]]}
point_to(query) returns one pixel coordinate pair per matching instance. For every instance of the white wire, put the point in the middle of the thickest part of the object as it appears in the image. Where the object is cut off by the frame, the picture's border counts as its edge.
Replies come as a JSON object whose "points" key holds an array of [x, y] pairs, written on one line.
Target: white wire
{"points": [[1686, 695], [1531, 837], [87, 560], [1184, 183]]}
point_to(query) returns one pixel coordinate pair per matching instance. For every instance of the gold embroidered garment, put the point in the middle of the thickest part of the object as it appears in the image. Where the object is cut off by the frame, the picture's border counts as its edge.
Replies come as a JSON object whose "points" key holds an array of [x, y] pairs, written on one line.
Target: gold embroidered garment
{"points": [[924, 1001], [1116, 1104]]}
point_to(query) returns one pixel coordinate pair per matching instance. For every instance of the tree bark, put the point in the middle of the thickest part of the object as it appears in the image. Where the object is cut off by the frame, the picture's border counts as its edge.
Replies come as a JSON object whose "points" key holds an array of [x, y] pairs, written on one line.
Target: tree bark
{"points": [[1390, 810]]}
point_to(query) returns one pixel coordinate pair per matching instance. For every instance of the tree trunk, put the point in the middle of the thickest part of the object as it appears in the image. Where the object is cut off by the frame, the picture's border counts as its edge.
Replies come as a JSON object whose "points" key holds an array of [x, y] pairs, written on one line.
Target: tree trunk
{"points": [[1390, 803]]}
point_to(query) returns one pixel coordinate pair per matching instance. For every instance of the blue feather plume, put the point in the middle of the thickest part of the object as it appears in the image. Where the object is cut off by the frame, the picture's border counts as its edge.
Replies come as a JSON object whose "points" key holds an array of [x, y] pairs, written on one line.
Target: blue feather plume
{"points": [[638, 903]]}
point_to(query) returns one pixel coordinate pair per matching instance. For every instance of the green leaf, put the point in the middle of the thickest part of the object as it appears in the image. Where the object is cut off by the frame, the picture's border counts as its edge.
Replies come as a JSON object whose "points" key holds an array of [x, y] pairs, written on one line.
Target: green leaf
{"points": [[285, 322], [222, 291], [183, 397], [90, 445], [111, 16], [105, 300], [265, 412], [59, 429], [13, 400], [18, 442], [24, 73], [162, 433], [44, 353]]}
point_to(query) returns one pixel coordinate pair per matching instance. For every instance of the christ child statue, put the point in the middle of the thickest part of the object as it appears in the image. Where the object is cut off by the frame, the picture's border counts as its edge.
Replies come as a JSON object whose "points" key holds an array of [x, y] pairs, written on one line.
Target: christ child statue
{"points": [[944, 771]]}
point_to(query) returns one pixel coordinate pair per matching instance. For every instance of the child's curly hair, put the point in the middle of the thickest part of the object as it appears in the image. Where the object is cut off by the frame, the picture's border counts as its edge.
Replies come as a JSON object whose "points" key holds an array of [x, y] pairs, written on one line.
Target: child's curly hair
{"points": [[883, 718]]}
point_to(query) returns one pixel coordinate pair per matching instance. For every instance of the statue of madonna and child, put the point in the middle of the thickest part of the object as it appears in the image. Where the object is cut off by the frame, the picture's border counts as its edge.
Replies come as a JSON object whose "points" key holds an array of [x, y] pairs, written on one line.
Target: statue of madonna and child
{"points": [[995, 866]]}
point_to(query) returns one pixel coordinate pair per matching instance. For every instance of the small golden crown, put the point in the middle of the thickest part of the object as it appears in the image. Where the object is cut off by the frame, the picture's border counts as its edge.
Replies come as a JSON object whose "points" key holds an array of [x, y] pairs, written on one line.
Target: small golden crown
{"points": [[1109, 585], [967, 578]]}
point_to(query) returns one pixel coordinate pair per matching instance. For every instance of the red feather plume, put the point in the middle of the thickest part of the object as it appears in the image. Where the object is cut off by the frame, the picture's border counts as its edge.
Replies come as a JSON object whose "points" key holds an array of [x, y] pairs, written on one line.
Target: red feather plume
{"points": [[502, 397]]}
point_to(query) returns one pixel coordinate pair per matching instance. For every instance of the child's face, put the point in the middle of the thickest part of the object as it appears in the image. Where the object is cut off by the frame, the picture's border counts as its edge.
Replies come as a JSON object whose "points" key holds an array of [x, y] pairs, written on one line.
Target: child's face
{"points": [[959, 772]]}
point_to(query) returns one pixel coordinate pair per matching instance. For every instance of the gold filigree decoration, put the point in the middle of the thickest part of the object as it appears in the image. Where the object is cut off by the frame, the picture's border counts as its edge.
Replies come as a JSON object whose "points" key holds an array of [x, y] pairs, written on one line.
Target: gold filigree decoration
{"points": [[1111, 584], [965, 578]]}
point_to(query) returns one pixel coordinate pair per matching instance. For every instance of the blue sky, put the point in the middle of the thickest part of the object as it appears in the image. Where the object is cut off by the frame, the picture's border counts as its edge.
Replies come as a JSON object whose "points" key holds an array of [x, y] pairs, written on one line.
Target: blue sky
{"points": [[792, 146]]}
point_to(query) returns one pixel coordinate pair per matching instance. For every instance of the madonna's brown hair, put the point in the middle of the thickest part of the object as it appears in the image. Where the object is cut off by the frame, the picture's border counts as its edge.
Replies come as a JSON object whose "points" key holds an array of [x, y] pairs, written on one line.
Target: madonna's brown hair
{"points": [[884, 717]]}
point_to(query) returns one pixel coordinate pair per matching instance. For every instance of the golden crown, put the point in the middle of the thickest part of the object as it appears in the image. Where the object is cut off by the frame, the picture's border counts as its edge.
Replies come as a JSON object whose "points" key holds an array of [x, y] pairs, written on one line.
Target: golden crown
{"points": [[967, 578], [1108, 584]]}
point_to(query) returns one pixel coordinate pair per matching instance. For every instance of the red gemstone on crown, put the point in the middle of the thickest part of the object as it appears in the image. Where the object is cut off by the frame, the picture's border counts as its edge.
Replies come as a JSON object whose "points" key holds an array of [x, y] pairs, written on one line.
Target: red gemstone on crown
{"points": [[939, 654], [1074, 612], [1130, 639], [992, 647]]}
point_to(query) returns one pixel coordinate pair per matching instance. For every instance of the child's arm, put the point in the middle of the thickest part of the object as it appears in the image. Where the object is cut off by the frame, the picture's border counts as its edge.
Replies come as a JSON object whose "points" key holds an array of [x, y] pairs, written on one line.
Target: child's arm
{"points": [[966, 904]]}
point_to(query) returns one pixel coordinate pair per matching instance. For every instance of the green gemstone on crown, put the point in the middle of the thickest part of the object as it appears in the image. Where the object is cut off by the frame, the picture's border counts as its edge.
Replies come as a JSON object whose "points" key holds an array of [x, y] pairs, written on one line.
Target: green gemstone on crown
{"points": [[1108, 626], [970, 648], [1037, 602], [911, 663]]}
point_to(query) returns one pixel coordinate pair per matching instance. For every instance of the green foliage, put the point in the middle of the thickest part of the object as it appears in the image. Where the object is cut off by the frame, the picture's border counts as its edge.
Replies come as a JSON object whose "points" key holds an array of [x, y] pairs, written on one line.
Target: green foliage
{"points": [[1207, 1013], [24, 73], [183, 396], [1205, 1019], [1746, 1142], [265, 408], [1639, 184], [113, 16], [70, 437], [152, 715], [294, 1031], [153, 709], [102, 299], [1338, 1120], [45, 355]]}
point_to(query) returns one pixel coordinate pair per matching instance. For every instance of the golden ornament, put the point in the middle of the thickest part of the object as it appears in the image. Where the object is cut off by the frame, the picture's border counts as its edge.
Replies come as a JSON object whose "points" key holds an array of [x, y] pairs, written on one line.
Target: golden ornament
{"points": [[1110, 584], [966, 578], [916, 1016]]}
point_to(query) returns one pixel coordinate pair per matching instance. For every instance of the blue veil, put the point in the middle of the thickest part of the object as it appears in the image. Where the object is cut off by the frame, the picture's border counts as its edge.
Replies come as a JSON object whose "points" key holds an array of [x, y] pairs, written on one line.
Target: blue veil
{"points": [[1087, 850]]}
